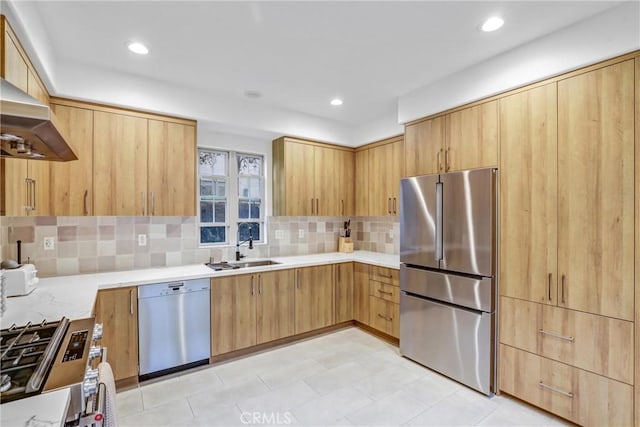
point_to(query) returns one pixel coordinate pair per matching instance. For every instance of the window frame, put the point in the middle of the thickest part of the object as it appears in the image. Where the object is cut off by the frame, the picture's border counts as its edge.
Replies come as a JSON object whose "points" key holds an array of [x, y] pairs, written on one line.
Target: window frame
{"points": [[232, 214]]}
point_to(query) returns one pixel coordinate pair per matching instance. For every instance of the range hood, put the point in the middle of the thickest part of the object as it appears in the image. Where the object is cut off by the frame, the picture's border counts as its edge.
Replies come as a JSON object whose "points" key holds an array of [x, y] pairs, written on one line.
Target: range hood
{"points": [[28, 128]]}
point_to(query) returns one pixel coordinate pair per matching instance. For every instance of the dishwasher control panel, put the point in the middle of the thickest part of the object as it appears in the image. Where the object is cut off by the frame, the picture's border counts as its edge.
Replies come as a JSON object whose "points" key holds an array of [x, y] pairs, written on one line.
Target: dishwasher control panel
{"points": [[172, 288]]}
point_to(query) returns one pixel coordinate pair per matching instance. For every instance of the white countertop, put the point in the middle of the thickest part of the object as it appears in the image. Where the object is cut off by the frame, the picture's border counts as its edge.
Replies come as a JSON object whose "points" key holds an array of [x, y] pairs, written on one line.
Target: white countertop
{"points": [[74, 296], [47, 409]]}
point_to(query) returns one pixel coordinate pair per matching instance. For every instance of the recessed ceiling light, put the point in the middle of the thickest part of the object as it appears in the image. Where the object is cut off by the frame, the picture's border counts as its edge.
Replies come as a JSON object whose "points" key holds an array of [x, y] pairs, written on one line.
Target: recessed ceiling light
{"points": [[492, 24], [138, 48], [253, 94], [336, 101]]}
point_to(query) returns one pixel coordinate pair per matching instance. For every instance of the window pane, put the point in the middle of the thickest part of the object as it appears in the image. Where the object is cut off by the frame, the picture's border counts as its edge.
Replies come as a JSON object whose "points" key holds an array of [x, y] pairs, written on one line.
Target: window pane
{"points": [[213, 234], [255, 210], [220, 187], [243, 209], [206, 211], [244, 230], [212, 163], [221, 210], [243, 187], [206, 188], [249, 165], [254, 188]]}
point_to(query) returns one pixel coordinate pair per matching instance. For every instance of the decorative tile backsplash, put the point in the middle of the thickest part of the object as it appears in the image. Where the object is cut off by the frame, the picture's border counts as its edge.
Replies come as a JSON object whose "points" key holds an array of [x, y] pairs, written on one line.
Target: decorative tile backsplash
{"points": [[109, 243]]}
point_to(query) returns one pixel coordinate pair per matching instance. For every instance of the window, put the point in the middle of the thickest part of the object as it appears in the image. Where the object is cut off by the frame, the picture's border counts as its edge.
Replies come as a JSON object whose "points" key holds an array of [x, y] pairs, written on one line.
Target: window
{"points": [[231, 196]]}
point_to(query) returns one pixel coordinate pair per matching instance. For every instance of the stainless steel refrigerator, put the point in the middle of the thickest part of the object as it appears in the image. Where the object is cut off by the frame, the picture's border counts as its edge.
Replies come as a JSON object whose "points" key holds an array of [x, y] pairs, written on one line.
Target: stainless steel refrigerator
{"points": [[448, 235]]}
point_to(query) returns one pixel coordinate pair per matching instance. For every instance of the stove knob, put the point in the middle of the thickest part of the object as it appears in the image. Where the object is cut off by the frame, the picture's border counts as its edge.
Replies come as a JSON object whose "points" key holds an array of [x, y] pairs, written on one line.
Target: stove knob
{"points": [[91, 374], [89, 387], [97, 331], [95, 351]]}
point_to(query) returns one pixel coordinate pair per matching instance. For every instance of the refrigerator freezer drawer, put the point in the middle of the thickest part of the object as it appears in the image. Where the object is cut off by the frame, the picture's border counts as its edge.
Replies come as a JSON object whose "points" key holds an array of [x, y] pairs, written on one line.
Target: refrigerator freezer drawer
{"points": [[474, 293], [455, 342]]}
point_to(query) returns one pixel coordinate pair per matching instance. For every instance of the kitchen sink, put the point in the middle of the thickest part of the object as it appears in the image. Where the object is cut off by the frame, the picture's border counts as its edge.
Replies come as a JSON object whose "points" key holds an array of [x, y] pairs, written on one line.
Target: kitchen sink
{"points": [[219, 266], [248, 264]]}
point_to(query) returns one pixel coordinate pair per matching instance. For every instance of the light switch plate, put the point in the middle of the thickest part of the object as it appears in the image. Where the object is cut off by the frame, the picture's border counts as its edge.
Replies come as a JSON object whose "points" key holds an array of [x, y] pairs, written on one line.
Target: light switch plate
{"points": [[142, 240], [300, 233], [49, 243]]}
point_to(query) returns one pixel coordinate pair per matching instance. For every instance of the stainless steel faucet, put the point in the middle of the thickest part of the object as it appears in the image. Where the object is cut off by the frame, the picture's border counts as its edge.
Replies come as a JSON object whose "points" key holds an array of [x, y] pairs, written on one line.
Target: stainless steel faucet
{"points": [[238, 242]]}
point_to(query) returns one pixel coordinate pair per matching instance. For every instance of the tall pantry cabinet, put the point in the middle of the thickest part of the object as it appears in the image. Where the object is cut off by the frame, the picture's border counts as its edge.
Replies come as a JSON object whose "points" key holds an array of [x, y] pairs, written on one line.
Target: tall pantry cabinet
{"points": [[567, 245]]}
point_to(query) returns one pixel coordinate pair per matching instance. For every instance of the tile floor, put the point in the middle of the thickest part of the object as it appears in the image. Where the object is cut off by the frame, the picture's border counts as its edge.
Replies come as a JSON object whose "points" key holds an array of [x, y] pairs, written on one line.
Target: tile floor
{"points": [[346, 378]]}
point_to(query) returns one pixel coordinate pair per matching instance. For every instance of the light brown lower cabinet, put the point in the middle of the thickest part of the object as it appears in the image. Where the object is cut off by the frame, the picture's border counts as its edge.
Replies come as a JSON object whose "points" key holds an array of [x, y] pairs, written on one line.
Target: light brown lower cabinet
{"points": [[599, 344], [117, 310], [575, 394], [343, 292], [251, 309], [233, 313], [314, 298], [361, 293], [384, 316], [275, 305]]}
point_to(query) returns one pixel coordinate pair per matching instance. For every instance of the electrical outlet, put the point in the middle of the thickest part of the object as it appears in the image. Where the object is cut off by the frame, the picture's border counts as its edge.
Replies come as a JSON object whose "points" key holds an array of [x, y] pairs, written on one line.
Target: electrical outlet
{"points": [[142, 240], [300, 233], [49, 243], [279, 234], [391, 233]]}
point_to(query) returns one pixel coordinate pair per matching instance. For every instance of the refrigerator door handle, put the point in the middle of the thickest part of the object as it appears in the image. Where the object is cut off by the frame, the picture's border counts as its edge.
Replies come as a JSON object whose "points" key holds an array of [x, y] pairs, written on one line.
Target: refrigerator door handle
{"points": [[439, 250]]}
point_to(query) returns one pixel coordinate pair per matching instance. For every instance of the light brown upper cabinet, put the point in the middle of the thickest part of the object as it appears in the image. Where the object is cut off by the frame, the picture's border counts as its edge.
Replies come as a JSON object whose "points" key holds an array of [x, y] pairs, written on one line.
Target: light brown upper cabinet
{"points": [[120, 164], [172, 162], [25, 183], [464, 139], [424, 147], [386, 168], [312, 179], [528, 199], [72, 182], [362, 183], [596, 191], [472, 137]]}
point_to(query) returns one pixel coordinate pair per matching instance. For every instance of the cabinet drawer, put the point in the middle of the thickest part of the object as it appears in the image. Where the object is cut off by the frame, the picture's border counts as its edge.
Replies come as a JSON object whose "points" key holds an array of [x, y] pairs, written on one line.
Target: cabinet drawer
{"points": [[598, 344], [385, 275], [385, 291], [577, 395], [384, 316]]}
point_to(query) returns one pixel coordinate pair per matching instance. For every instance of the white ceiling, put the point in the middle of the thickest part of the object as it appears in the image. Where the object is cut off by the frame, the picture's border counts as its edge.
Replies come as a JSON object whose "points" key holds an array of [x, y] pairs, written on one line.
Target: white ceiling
{"points": [[299, 55]]}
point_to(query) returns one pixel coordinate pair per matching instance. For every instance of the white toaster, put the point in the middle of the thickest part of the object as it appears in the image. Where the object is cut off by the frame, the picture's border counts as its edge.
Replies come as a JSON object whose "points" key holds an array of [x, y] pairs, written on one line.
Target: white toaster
{"points": [[21, 280]]}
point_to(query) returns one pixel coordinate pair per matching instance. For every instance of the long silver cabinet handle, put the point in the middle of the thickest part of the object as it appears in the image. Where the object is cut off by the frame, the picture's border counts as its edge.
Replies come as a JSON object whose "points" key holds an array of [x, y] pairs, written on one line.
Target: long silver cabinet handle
{"points": [[27, 201], [153, 203], [317, 206], [142, 202], [131, 302], [86, 208], [556, 335], [33, 195], [446, 160], [549, 285], [563, 280], [438, 159], [253, 286], [556, 389], [312, 206], [389, 319], [385, 292]]}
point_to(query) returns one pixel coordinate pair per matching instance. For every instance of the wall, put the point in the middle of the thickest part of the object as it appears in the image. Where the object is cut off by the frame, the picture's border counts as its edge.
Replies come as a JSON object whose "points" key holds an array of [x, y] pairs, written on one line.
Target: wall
{"points": [[96, 244], [612, 33]]}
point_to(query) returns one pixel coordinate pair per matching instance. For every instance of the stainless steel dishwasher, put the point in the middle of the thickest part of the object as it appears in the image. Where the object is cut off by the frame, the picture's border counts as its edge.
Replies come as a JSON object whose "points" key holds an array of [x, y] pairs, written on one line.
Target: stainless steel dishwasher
{"points": [[174, 328]]}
